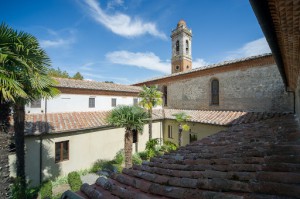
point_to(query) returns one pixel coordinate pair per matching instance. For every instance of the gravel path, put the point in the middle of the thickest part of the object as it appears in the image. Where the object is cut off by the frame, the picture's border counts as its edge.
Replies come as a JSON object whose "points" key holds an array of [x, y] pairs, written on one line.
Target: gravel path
{"points": [[89, 178]]}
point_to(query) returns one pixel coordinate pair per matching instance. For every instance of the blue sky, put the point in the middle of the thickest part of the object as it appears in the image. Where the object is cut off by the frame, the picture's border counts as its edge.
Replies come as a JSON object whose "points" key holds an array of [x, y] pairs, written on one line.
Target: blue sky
{"points": [[128, 41]]}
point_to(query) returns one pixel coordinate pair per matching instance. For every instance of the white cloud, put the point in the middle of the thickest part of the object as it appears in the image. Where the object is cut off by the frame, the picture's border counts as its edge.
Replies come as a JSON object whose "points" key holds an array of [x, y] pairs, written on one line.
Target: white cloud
{"points": [[146, 60], [256, 47], [59, 39], [120, 80], [114, 3], [122, 24], [198, 63]]}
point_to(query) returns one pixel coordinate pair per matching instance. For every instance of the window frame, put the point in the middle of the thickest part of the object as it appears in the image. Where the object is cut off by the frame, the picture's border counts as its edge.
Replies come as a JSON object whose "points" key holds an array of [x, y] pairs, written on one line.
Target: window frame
{"points": [[61, 151], [92, 104], [170, 131], [135, 101], [36, 103], [215, 92], [113, 104]]}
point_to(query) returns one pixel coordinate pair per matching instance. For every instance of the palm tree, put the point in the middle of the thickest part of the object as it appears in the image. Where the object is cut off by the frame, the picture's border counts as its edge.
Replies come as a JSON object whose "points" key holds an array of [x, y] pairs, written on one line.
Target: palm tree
{"points": [[181, 118], [151, 97], [131, 118], [23, 66]]}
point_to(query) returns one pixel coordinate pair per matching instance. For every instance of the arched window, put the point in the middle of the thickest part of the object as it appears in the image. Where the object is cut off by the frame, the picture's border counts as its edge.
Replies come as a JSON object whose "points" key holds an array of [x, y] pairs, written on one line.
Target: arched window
{"points": [[215, 92], [187, 47], [177, 46]]}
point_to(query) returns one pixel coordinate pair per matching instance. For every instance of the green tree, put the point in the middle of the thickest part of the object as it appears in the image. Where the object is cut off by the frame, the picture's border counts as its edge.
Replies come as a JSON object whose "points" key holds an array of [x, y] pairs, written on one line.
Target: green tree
{"points": [[58, 73], [151, 97], [182, 118], [78, 76], [131, 118], [24, 66]]}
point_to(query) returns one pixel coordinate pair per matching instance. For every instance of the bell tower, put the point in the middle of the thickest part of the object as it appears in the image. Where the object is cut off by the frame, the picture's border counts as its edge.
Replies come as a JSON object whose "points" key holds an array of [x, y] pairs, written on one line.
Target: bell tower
{"points": [[181, 48]]}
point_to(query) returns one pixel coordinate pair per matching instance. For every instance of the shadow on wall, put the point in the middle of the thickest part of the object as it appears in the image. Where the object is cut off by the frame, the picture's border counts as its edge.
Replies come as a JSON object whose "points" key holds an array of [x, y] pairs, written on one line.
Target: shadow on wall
{"points": [[39, 157]]}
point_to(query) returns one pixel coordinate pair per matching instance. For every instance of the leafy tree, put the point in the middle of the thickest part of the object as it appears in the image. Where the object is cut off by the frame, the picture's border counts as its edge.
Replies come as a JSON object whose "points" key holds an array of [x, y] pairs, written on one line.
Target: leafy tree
{"points": [[131, 118], [182, 118], [78, 76], [151, 97], [24, 66], [58, 73]]}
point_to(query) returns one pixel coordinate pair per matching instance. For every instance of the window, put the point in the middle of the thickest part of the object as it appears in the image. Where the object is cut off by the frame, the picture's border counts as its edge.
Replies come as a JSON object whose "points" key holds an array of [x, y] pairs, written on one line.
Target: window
{"points": [[193, 138], [187, 47], [170, 134], [36, 104], [215, 92], [135, 136], [165, 92], [177, 46], [61, 151], [177, 68], [135, 101], [113, 102], [91, 102]]}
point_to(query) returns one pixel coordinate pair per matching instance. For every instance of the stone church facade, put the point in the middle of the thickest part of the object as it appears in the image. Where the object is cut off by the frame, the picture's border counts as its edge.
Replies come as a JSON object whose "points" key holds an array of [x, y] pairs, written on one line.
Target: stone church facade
{"points": [[252, 84]]}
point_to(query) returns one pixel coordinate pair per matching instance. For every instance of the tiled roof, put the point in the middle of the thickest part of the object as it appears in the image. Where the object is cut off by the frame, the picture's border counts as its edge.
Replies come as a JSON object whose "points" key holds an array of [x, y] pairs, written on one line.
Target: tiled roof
{"points": [[93, 85], [221, 64], [65, 122], [258, 160], [224, 118]]}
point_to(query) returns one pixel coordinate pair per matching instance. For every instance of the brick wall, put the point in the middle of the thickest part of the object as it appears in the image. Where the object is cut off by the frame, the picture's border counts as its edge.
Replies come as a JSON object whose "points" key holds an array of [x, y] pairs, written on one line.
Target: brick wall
{"points": [[249, 89]]}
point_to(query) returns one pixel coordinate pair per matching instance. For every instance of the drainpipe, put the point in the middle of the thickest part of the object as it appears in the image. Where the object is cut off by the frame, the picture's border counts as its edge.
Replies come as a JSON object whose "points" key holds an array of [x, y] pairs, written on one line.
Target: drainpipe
{"points": [[41, 143], [294, 99]]}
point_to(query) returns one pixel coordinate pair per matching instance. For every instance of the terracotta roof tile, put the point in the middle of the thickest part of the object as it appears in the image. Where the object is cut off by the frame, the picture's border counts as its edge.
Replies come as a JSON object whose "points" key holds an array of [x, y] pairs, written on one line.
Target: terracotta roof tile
{"points": [[93, 85], [224, 118], [257, 160], [65, 122]]}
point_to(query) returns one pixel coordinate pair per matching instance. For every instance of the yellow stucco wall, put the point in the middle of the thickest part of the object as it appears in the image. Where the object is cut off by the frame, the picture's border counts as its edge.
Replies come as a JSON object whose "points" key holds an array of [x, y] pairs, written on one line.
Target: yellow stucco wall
{"points": [[201, 130], [84, 149]]}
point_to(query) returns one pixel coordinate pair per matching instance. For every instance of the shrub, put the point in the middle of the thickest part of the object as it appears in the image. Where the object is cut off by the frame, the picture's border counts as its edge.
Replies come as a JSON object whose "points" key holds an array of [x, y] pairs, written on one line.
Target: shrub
{"points": [[74, 180], [136, 159], [151, 144], [98, 165], [46, 190], [16, 194], [120, 156], [143, 155], [168, 146]]}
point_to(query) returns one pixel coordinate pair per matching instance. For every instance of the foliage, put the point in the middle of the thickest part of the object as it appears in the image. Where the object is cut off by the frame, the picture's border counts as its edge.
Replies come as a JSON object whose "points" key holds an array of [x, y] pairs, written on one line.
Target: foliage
{"points": [[131, 118], [58, 73], [136, 159], [182, 118], [16, 193], [101, 164], [119, 158], [46, 190], [150, 97], [63, 74], [74, 180], [23, 78], [151, 148], [78, 76], [59, 181], [150, 145], [168, 146], [143, 155]]}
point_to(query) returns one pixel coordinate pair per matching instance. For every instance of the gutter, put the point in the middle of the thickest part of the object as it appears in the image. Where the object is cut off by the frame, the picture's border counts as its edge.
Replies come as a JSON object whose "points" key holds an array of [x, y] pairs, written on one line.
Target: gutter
{"points": [[263, 15]]}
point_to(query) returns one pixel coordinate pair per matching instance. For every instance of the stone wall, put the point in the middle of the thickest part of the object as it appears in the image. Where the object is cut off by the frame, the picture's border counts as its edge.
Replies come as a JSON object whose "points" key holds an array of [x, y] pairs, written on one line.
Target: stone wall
{"points": [[258, 89]]}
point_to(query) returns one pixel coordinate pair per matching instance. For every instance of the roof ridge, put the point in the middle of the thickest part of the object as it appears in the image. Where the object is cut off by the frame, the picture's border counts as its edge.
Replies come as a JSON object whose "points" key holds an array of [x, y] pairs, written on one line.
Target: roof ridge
{"points": [[209, 66]]}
